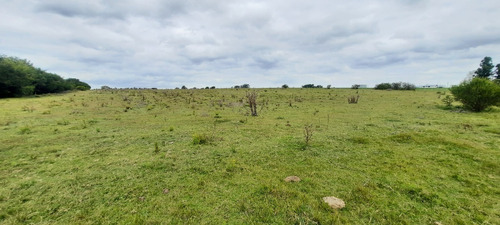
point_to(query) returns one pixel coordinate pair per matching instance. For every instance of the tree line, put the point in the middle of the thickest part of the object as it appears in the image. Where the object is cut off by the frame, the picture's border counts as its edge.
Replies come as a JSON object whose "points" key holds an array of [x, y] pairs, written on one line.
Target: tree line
{"points": [[18, 77]]}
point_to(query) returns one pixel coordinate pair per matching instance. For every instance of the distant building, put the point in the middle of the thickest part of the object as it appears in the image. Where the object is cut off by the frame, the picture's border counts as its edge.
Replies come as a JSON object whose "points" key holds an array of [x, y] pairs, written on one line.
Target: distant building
{"points": [[431, 86]]}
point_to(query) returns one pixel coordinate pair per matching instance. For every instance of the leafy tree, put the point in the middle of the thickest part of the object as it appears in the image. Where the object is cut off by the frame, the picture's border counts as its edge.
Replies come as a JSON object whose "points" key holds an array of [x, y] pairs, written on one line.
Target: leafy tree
{"points": [[396, 86], [355, 86], [477, 94], [484, 70], [18, 77], [408, 86], [245, 86], [77, 84], [497, 72], [15, 73], [383, 86], [284, 86], [184, 87]]}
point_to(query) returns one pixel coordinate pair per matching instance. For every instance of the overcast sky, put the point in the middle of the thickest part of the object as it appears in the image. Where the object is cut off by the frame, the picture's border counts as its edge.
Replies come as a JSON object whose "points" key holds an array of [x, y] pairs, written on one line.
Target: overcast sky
{"points": [[170, 43]]}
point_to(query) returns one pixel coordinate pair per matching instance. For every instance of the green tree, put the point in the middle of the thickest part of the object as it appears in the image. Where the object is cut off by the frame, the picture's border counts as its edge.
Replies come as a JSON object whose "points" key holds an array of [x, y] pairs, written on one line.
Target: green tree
{"points": [[18, 77], [484, 70], [77, 84], [15, 73], [477, 94], [497, 72], [383, 86]]}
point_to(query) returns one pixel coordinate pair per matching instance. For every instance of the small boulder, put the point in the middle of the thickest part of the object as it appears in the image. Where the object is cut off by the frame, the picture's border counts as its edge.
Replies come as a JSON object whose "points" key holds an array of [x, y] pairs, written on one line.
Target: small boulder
{"points": [[334, 202], [292, 179]]}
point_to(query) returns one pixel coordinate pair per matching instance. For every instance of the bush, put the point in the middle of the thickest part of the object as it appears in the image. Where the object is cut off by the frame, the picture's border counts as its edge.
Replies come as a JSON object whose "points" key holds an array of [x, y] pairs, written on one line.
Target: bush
{"points": [[383, 86], [408, 86], [353, 99], [311, 86], [448, 101], [477, 94], [201, 139]]}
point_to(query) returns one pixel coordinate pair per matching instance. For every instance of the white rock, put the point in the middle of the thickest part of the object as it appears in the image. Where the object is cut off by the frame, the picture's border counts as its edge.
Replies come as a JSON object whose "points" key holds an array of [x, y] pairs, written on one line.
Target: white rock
{"points": [[292, 179], [334, 202]]}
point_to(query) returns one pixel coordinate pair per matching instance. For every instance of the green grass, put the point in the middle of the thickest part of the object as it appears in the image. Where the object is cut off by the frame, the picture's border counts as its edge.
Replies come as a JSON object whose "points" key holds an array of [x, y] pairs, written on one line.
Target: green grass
{"points": [[396, 157]]}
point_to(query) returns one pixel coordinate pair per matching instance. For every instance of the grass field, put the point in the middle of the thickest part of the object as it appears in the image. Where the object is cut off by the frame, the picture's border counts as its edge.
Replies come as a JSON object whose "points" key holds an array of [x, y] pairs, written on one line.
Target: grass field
{"points": [[197, 157]]}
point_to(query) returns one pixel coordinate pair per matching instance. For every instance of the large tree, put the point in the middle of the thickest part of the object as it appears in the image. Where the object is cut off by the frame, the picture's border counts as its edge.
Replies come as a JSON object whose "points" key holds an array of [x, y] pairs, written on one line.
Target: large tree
{"points": [[18, 77], [497, 72], [484, 70]]}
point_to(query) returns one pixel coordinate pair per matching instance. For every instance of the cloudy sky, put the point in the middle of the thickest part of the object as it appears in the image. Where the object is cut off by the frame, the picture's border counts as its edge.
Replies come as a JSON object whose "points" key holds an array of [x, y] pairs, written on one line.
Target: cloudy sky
{"points": [[170, 43]]}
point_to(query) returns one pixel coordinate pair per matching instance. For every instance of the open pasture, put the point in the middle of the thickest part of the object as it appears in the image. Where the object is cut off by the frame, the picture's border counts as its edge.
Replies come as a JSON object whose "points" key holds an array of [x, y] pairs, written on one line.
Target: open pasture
{"points": [[199, 157]]}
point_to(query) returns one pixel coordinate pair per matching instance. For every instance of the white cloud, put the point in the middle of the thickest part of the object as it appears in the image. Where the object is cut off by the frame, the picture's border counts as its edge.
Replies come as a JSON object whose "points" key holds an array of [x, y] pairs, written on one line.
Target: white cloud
{"points": [[263, 43]]}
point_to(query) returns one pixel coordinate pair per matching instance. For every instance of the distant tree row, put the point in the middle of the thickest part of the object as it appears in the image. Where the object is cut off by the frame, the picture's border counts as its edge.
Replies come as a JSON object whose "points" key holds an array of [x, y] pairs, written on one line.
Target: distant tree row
{"points": [[242, 86], [311, 86], [18, 77], [395, 86]]}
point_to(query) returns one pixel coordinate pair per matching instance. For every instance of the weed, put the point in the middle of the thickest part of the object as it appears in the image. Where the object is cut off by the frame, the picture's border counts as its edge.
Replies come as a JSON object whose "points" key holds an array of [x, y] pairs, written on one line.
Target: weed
{"points": [[353, 99], [252, 102], [63, 123], [157, 149], [24, 130], [448, 100], [84, 124], [28, 108], [308, 133], [201, 139]]}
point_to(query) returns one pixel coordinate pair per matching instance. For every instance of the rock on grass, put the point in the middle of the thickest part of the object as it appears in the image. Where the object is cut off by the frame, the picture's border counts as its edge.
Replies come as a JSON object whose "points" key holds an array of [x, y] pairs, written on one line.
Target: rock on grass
{"points": [[335, 203], [292, 179]]}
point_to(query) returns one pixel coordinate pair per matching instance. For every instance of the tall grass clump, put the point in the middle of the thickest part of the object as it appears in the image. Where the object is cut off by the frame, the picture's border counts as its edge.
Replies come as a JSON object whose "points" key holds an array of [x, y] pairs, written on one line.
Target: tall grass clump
{"points": [[252, 102]]}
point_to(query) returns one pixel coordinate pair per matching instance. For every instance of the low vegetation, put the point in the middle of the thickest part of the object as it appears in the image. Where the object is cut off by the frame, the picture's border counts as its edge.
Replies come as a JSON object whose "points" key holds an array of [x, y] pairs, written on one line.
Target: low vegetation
{"points": [[198, 157]]}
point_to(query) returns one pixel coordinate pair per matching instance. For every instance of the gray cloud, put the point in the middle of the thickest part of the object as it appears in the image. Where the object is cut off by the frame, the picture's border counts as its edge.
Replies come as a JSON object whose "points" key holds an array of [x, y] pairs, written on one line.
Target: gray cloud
{"points": [[264, 43]]}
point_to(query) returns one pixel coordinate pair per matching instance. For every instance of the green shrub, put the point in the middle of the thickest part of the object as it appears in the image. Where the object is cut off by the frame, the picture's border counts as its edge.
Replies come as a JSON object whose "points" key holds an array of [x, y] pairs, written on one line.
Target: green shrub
{"points": [[201, 139], [395, 86], [448, 100], [477, 94], [383, 86]]}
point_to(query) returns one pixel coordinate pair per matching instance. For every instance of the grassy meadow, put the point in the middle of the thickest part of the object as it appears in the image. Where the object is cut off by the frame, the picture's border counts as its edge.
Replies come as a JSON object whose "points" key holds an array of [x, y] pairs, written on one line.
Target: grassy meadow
{"points": [[198, 157]]}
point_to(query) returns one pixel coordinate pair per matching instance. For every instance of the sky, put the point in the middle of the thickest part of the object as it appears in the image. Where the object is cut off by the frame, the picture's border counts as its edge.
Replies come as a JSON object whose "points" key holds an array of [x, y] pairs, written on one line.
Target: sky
{"points": [[199, 43]]}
